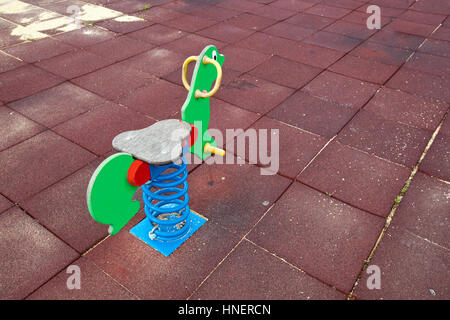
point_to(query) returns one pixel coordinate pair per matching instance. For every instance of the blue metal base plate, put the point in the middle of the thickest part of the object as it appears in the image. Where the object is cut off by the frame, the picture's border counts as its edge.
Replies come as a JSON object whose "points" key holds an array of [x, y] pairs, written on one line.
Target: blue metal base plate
{"points": [[142, 229]]}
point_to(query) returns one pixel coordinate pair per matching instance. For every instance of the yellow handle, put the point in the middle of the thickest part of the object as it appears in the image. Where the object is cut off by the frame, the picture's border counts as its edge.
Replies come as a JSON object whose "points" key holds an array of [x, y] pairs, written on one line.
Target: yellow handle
{"points": [[210, 149], [198, 93], [184, 71]]}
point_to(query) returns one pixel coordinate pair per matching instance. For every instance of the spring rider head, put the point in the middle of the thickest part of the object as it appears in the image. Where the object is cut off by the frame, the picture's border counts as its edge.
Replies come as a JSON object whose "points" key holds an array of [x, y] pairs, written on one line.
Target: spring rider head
{"points": [[154, 159]]}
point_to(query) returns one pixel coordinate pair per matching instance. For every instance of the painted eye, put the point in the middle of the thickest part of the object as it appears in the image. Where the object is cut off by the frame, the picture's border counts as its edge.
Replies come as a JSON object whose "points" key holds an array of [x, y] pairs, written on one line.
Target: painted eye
{"points": [[214, 55]]}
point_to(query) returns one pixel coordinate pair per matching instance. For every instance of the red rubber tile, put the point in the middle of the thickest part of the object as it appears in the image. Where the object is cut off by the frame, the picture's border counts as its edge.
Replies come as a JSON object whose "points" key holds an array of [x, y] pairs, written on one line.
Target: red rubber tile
{"points": [[273, 12], [192, 44], [361, 18], [424, 209], [322, 236], [242, 59], [225, 32], [349, 29], [442, 34], [309, 113], [346, 91], [292, 5], [295, 149], [9, 62], [310, 21], [25, 81], [31, 255], [437, 160], [332, 41], [433, 6], [4, 203], [114, 81], [428, 63], [120, 48], [421, 17], [39, 50], [233, 196], [7, 37], [33, 165], [437, 47], [381, 53], [388, 9], [423, 30], [252, 273], [128, 6], [157, 34], [74, 64], [411, 268], [190, 23], [387, 139], [124, 27], [409, 109], [267, 44], [160, 99], [327, 11], [62, 209], [239, 5], [364, 69], [400, 4], [16, 128], [347, 4], [183, 6], [313, 55], [85, 37], [289, 31], [355, 177], [95, 129], [95, 285], [260, 95], [420, 83], [251, 21], [150, 275], [158, 14], [446, 23], [4, 24], [397, 39], [216, 13], [67, 99], [285, 72], [158, 61]]}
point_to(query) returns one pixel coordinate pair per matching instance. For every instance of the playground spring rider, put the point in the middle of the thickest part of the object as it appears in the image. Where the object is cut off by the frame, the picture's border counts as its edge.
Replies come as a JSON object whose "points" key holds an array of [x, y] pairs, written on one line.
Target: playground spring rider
{"points": [[153, 158]]}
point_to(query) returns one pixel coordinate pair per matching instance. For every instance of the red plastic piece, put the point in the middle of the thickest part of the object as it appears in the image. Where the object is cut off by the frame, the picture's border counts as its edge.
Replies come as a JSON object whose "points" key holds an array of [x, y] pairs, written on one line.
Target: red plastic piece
{"points": [[138, 173], [194, 135]]}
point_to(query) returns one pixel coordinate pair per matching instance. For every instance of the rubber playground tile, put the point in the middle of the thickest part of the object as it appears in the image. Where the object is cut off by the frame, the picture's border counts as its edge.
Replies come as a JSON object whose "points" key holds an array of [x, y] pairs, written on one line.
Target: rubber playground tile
{"points": [[8, 62], [441, 34], [160, 99], [4, 203], [292, 5], [384, 138], [31, 255], [408, 27], [437, 47], [399, 4], [95, 285], [362, 180], [192, 44], [310, 21], [74, 64], [216, 13], [239, 5], [327, 11], [347, 4], [190, 23], [273, 12], [388, 9], [128, 6], [424, 209], [225, 32], [397, 39], [312, 114], [16, 128], [332, 41], [437, 160], [411, 268], [285, 72], [242, 59], [433, 6], [428, 63], [381, 53], [251, 21], [294, 147], [39, 50], [313, 55], [103, 123], [124, 24], [364, 69], [361, 18], [157, 34], [183, 6], [120, 48], [409, 109], [158, 61], [351, 30], [114, 81], [422, 84], [62, 209], [25, 81], [8, 38], [267, 44], [158, 15], [57, 104], [5, 24], [150, 275], [446, 22], [85, 37], [249, 272], [288, 31], [322, 236], [422, 17], [260, 96], [343, 90]]}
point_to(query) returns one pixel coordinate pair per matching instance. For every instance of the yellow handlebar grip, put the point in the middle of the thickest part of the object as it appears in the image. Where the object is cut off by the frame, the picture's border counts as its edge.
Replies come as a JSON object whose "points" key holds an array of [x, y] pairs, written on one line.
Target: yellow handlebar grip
{"points": [[211, 149]]}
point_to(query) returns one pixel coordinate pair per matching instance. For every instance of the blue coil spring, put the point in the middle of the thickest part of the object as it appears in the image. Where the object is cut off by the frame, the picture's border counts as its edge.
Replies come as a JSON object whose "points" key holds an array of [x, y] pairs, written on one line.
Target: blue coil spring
{"points": [[167, 202]]}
